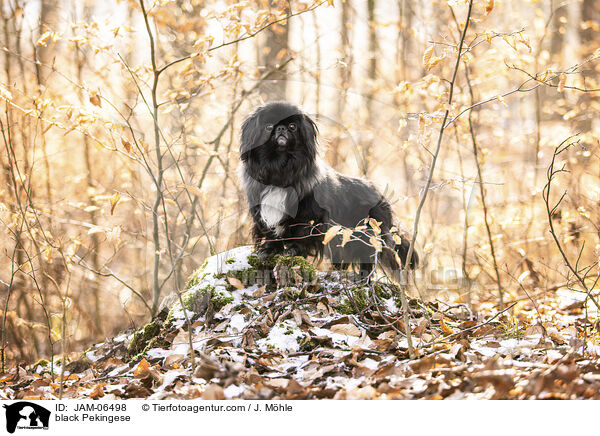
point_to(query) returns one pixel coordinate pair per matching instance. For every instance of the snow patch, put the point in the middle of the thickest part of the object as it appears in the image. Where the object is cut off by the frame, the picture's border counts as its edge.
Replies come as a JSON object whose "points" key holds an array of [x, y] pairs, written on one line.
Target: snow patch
{"points": [[370, 363], [284, 336], [238, 322], [235, 259], [337, 338], [233, 391]]}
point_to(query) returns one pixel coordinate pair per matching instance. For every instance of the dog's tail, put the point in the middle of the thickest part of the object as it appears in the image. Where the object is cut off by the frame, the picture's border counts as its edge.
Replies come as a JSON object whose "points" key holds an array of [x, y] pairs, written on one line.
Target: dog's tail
{"points": [[394, 255], [401, 247]]}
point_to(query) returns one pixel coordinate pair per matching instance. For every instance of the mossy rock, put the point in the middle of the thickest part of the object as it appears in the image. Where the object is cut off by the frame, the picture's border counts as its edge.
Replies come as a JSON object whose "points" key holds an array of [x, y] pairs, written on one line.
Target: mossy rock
{"points": [[242, 264], [198, 299], [237, 263], [197, 276], [143, 336], [308, 344], [359, 298], [41, 366], [209, 289], [355, 302], [225, 263], [384, 290], [305, 268]]}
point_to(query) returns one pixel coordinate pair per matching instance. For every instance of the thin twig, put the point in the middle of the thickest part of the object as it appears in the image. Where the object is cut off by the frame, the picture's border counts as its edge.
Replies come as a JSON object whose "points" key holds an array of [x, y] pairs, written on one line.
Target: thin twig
{"points": [[468, 329], [235, 41], [550, 213], [482, 193], [425, 190]]}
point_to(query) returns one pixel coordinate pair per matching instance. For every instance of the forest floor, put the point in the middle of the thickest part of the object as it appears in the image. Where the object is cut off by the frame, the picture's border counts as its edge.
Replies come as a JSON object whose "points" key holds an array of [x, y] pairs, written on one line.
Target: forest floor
{"points": [[312, 335]]}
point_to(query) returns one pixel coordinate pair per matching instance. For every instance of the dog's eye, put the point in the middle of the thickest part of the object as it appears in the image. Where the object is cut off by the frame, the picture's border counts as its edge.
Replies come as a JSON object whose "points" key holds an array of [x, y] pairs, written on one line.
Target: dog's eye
{"points": [[292, 126], [269, 127]]}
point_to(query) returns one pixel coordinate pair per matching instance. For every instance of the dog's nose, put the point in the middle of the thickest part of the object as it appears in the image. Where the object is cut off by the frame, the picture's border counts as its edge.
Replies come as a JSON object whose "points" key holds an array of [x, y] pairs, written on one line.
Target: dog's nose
{"points": [[280, 130]]}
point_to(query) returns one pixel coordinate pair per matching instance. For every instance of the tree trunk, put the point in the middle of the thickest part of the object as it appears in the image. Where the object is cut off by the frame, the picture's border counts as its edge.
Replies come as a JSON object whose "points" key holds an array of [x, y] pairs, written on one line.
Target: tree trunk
{"points": [[345, 76], [371, 77], [48, 22], [272, 53], [589, 43]]}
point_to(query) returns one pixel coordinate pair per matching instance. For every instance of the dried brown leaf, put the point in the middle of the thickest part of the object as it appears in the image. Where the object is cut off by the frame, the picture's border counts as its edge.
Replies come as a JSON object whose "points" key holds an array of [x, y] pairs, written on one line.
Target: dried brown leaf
{"points": [[376, 243], [236, 283], [346, 235], [427, 55], [126, 144], [114, 200], [141, 368], [98, 391], [562, 81], [95, 99], [330, 234], [346, 329], [447, 330]]}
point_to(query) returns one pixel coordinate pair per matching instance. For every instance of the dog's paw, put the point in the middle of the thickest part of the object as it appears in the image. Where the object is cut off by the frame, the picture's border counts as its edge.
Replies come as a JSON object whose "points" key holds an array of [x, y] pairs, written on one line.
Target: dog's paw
{"points": [[265, 253], [294, 250]]}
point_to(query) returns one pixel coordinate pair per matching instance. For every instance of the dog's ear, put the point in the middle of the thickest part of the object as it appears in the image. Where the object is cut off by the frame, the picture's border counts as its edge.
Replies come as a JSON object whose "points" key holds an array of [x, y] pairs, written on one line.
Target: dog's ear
{"points": [[309, 134], [251, 133]]}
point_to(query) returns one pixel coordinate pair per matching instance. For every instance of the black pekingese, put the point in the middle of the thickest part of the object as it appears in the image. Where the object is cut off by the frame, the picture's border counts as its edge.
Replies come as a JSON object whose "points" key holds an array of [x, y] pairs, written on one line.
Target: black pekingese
{"points": [[295, 198]]}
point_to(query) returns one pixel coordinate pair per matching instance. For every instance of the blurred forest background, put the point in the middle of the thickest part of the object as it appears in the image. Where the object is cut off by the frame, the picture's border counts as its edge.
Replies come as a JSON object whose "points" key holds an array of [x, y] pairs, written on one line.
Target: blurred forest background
{"points": [[119, 150]]}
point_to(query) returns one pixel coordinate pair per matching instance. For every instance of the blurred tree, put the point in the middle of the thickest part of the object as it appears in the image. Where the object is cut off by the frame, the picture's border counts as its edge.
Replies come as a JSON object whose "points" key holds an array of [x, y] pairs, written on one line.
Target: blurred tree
{"points": [[557, 28], [49, 12], [589, 43], [345, 79], [404, 36], [272, 52], [371, 86]]}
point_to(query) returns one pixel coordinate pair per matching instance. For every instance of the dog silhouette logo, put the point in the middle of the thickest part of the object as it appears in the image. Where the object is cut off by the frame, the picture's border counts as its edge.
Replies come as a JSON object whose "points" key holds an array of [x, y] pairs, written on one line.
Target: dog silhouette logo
{"points": [[26, 415]]}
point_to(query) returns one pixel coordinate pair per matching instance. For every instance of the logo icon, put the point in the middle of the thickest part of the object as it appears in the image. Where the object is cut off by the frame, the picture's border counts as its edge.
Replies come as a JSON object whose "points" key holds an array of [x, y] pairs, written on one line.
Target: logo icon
{"points": [[26, 415]]}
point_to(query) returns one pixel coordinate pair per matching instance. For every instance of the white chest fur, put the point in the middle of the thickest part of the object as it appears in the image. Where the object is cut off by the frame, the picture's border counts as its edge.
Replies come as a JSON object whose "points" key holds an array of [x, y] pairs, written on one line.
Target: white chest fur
{"points": [[273, 205]]}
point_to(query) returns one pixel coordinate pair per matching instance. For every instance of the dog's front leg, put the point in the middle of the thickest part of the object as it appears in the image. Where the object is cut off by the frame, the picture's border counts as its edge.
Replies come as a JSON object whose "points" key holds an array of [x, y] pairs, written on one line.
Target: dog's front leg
{"points": [[268, 244]]}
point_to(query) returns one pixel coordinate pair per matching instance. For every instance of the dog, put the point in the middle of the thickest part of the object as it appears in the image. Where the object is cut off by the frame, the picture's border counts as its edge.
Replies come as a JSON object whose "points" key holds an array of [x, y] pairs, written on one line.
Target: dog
{"points": [[295, 198]]}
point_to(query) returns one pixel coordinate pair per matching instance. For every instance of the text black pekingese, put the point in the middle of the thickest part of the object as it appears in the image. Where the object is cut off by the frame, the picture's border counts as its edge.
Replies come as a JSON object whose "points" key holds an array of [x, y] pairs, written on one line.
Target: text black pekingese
{"points": [[295, 198]]}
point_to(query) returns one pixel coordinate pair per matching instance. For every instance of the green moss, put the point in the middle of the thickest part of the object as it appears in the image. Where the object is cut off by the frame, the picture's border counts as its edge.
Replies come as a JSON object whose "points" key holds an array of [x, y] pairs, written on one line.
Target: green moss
{"points": [[291, 261], [289, 327], [355, 302], [305, 268], [255, 262], [512, 328], [291, 293], [191, 299], [42, 362], [157, 342], [196, 276], [220, 299], [152, 335], [142, 337], [41, 366], [196, 301], [383, 291], [307, 343]]}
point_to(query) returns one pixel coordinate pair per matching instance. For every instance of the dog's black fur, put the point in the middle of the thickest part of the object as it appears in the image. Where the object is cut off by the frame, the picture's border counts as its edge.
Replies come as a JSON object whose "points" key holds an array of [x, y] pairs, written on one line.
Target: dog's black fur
{"points": [[294, 197]]}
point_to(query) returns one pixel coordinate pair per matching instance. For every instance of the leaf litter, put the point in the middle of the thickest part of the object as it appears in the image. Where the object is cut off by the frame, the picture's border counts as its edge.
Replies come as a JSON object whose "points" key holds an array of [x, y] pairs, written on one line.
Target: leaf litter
{"points": [[314, 335]]}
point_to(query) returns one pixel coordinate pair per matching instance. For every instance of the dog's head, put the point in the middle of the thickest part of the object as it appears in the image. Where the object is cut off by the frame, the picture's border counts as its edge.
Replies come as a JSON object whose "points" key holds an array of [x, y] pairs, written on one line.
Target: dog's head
{"points": [[280, 128]]}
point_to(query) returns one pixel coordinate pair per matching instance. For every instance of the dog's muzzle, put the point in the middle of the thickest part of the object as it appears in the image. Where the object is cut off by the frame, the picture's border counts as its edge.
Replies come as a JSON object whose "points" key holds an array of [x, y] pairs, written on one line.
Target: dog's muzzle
{"points": [[281, 140], [281, 136]]}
